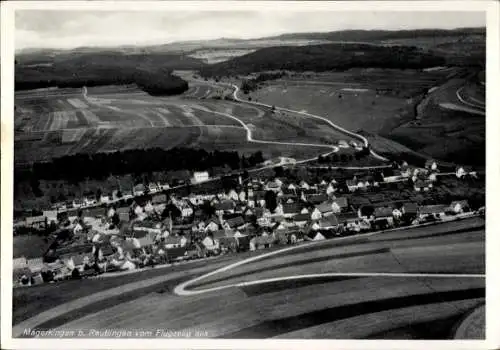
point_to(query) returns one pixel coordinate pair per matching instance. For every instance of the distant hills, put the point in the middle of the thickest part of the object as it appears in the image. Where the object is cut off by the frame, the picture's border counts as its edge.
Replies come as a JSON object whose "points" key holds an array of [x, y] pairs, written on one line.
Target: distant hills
{"points": [[375, 36], [381, 35]]}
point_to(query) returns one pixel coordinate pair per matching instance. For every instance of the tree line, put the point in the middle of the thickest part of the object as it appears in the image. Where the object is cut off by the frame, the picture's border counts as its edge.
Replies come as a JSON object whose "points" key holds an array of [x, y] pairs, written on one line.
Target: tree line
{"points": [[99, 166], [252, 84], [152, 74], [325, 57]]}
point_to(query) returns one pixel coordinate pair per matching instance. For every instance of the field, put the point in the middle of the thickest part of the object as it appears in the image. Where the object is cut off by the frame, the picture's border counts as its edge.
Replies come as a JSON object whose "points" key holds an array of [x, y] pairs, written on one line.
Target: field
{"points": [[29, 246], [435, 113], [103, 119], [450, 124], [371, 100]]}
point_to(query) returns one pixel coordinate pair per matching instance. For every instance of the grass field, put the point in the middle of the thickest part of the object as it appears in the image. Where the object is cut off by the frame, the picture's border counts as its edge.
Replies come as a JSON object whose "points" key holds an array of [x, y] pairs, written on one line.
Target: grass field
{"points": [[30, 246], [373, 100], [113, 118], [444, 128]]}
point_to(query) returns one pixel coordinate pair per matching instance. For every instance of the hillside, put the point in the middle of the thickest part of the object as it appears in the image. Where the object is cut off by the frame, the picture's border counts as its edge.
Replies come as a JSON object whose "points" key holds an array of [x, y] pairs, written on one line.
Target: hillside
{"points": [[381, 35], [152, 72], [318, 58]]}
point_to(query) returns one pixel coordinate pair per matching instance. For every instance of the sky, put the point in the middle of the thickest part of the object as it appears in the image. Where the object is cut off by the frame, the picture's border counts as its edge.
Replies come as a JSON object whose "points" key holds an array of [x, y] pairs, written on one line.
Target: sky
{"points": [[69, 29]]}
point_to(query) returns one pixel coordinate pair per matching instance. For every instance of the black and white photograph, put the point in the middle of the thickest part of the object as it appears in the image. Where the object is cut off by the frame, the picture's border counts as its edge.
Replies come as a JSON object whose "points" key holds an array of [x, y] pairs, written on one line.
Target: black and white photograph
{"points": [[247, 172]]}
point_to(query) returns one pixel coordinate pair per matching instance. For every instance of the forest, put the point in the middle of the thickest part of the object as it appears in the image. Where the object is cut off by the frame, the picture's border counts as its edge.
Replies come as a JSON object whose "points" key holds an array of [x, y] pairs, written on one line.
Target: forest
{"points": [[99, 166], [325, 57], [152, 73]]}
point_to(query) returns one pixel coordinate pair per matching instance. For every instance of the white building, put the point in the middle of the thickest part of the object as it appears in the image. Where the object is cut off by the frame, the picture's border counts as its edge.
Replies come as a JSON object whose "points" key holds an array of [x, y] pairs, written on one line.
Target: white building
{"points": [[200, 176]]}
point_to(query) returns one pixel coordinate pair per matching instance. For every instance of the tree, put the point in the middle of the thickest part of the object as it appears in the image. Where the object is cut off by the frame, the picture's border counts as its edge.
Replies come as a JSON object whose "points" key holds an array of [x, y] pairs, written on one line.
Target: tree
{"points": [[271, 201], [278, 171]]}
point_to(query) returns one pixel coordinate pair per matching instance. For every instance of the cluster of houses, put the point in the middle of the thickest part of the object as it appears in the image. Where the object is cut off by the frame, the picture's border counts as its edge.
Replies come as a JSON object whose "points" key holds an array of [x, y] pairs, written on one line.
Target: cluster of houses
{"points": [[159, 228]]}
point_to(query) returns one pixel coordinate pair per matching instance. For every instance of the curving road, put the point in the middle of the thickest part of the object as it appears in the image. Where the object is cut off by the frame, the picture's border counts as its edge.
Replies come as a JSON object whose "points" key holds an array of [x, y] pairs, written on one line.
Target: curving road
{"points": [[329, 122], [417, 283]]}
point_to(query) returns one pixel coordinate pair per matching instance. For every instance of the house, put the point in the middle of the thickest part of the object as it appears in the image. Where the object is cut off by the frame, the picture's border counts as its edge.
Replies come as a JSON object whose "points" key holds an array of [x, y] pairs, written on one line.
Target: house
{"points": [[422, 185], [431, 165], [397, 213], [172, 242], [328, 223], [212, 225], [200, 176], [36, 221], [264, 221], [226, 206], [330, 189], [341, 202], [352, 185], [383, 215], [146, 241], [242, 196], [395, 177], [410, 209], [317, 198], [274, 186], [301, 219], [159, 199], [104, 199], [153, 187], [405, 170], [139, 190], [20, 262], [90, 200], [249, 212], [325, 208], [186, 211], [290, 209], [78, 203], [432, 211], [234, 223], [123, 213], [35, 264], [94, 212], [316, 214], [350, 221], [304, 185], [233, 195], [459, 207]]}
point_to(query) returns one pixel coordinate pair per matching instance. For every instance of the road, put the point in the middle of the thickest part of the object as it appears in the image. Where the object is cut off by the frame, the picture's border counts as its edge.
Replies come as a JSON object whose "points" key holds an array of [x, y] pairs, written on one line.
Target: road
{"points": [[417, 283], [329, 122]]}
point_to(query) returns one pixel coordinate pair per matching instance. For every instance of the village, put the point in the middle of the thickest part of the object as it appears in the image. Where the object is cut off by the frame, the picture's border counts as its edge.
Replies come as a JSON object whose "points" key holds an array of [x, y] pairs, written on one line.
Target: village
{"points": [[155, 224]]}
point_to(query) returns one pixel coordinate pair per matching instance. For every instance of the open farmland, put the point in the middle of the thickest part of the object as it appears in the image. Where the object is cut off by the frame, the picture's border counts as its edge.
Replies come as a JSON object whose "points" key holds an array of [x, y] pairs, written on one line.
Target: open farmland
{"points": [[371, 100], [106, 119], [450, 124]]}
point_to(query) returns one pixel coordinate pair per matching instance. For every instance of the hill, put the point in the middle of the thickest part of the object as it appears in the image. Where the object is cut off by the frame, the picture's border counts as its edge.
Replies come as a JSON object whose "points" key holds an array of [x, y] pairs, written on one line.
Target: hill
{"points": [[318, 58], [152, 72], [381, 35]]}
